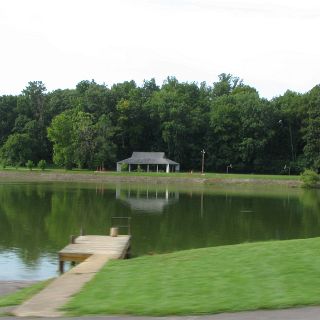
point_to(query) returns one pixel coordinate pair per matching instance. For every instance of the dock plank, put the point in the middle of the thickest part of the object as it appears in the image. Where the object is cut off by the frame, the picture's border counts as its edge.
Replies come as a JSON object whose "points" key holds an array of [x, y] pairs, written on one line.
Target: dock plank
{"points": [[85, 246]]}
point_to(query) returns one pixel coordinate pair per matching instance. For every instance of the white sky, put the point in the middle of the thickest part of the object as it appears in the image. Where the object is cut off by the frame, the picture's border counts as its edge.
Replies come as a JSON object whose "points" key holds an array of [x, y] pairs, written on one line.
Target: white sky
{"points": [[273, 45]]}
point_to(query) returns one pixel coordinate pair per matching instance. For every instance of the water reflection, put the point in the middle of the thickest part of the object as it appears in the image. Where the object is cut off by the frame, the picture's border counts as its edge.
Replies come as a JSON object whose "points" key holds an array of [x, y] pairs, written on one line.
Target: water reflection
{"points": [[36, 220], [152, 200]]}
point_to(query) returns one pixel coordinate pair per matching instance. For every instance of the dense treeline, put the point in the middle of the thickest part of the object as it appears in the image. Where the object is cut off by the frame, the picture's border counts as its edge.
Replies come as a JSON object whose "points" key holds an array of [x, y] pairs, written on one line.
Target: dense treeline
{"points": [[93, 125]]}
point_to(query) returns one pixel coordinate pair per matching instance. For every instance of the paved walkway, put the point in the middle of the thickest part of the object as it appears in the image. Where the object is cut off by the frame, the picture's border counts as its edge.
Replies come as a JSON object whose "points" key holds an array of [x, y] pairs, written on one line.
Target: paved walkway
{"points": [[47, 302]]}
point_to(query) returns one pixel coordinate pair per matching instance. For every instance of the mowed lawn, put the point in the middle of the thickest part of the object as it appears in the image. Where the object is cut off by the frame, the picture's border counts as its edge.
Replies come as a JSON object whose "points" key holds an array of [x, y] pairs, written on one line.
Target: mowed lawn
{"points": [[275, 274], [197, 175]]}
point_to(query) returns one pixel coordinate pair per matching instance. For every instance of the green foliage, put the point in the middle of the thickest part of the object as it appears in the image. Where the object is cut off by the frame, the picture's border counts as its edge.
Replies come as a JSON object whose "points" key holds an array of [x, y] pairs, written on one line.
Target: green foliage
{"points": [[139, 169], [3, 163], [16, 150], [93, 125], [78, 141], [310, 179], [30, 164], [61, 134], [312, 130], [124, 167], [42, 164]]}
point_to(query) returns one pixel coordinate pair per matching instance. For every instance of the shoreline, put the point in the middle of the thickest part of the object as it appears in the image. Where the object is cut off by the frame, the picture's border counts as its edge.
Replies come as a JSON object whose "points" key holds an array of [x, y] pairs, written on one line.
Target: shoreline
{"points": [[101, 177], [11, 286]]}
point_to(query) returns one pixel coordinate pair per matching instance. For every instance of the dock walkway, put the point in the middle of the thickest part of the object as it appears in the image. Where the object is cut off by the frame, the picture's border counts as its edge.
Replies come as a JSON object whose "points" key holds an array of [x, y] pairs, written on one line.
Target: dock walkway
{"points": [[92, 252]]}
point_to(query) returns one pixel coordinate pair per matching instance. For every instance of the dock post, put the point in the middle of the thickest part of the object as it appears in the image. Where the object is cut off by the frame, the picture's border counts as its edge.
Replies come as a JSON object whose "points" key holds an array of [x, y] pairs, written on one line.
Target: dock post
{"points": [[72, 239], [114, 232], [128, 253], [61, 266]]}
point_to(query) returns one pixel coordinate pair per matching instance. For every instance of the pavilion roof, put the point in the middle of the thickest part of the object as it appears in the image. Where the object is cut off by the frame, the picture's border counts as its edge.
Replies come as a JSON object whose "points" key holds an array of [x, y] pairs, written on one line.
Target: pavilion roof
{"points": [[148, 158]]}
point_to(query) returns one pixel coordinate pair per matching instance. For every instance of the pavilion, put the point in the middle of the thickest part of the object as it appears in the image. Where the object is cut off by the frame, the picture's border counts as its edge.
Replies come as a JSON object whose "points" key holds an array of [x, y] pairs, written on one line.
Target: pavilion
{"points": [[152, 161]]}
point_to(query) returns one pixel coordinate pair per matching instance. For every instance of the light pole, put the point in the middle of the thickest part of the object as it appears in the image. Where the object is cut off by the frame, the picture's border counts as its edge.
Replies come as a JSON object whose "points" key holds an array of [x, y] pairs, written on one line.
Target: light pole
{"points": [[202, 167], [229, 167]]}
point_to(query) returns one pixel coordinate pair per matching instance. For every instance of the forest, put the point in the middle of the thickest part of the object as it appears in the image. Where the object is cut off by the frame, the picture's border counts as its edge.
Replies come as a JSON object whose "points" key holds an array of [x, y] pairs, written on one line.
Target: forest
{"points": [[93, 126]]}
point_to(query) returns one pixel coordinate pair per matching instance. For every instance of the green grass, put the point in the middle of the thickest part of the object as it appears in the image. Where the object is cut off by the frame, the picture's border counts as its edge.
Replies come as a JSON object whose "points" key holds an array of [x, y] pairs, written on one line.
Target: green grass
{"points": [[265, 275], [18, 297], [207, 175]]}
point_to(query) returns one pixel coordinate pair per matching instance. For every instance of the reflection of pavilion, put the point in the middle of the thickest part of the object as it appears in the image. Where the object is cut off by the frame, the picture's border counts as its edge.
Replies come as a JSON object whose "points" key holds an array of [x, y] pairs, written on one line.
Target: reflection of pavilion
{"points": [[151, 200]]}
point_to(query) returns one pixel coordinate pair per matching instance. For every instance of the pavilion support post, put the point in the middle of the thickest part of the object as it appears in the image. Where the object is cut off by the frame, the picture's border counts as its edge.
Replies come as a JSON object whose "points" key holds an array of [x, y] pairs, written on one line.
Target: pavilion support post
{"points": [[147, 168], [129, 167], [157, 168], [168, 168]]}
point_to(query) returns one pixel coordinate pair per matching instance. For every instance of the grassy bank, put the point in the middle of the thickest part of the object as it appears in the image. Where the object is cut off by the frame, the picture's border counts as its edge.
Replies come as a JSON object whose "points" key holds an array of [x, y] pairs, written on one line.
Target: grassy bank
{"points": [[275, 274], [24, 174]]}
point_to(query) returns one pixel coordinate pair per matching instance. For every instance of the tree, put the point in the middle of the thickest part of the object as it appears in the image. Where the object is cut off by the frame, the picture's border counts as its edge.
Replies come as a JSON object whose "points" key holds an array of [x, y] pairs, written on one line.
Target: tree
{"points": [[17, 149], [292, 113], [7, 116], [240, 129], [105, 149], [42, 164], [33, 118], [312, 130], [61, 134], [30, 165], [72, 134], [83, 139], [226, 84]]}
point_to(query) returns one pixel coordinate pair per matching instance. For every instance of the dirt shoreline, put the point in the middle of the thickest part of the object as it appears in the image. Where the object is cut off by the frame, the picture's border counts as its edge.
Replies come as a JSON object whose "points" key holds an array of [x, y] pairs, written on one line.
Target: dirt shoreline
{"points": [[105, 178], [7, 287]]}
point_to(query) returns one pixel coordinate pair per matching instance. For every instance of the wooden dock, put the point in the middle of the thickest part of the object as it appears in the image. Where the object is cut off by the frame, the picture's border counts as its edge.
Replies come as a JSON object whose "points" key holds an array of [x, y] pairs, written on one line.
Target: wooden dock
{"points": [[83, 247], [92, 253]]}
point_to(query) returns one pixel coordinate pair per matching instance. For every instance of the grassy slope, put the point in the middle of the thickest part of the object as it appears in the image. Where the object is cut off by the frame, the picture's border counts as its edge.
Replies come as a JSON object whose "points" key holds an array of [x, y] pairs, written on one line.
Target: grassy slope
{"points": [[275, 274], [22, 295], [161, 174]]}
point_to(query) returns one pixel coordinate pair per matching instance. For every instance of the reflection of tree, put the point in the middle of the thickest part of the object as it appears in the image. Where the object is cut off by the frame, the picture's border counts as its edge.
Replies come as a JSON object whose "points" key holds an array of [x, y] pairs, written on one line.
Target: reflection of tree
{"points": [[39, 218], [226, 219], [310, 200], [22, 212], [73, 209]]}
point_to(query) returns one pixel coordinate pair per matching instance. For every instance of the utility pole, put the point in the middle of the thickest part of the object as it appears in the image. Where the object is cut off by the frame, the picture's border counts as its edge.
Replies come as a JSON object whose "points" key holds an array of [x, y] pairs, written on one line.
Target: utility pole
{"points": [[202, 167]]}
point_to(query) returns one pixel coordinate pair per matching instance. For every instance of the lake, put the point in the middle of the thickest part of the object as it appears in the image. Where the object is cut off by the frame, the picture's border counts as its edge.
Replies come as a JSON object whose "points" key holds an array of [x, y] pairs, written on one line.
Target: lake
{"points": [[37, 219]]}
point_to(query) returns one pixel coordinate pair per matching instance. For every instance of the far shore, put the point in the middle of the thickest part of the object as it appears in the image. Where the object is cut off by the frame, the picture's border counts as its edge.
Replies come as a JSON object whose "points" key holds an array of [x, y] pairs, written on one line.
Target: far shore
{"points": [[52, 175]]}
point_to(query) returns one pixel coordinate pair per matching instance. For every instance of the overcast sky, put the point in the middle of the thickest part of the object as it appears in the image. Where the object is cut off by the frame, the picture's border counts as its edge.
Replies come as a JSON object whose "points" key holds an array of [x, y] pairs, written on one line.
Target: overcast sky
{"points": [[273, 45]]}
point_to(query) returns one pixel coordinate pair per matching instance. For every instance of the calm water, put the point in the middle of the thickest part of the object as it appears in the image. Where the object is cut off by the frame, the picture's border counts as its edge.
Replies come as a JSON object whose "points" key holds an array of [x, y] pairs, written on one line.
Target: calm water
{"points": [[37, 219]]}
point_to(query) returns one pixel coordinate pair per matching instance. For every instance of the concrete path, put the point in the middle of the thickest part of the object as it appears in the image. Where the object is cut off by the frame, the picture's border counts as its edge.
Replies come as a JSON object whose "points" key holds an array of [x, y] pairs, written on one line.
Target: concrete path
{"points": [[48, 301], [307, 313]]}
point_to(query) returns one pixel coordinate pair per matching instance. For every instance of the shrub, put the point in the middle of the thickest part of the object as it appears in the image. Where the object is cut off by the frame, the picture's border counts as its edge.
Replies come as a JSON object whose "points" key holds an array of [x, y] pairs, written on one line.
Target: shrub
{"points": [[4, 163], [124, 167], [310, 179], [42, 164], [139, 169], [30, 164]]}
